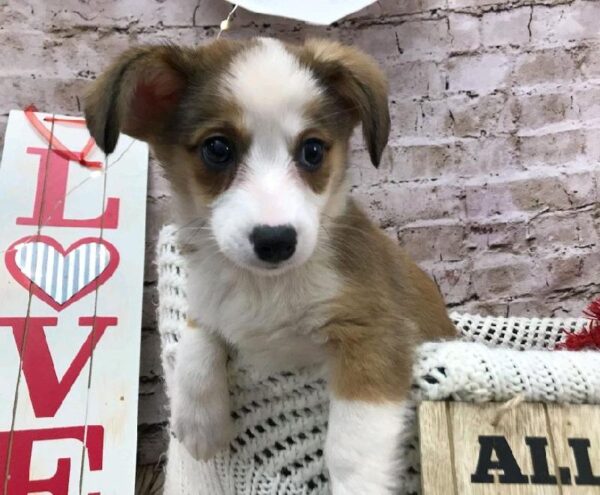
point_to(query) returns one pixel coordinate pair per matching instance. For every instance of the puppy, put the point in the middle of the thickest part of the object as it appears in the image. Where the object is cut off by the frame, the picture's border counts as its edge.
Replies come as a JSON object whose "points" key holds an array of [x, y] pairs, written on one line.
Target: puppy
{"points": [[283, 266]]}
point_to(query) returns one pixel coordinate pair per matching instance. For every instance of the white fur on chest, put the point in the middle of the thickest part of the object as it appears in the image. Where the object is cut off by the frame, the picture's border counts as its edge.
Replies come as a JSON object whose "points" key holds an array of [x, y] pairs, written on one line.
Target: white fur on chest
{"points": [[273, 322]]}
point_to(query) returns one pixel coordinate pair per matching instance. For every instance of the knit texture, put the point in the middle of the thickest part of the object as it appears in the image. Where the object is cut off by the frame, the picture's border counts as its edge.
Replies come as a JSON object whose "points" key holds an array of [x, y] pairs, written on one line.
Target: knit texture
{"points": [[281, 419]]}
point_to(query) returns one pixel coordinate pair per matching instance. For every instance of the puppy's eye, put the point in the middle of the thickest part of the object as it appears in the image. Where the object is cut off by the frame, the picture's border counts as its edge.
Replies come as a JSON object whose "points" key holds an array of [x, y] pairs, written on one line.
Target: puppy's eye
{"points": [[311, 154], [217, 152]]}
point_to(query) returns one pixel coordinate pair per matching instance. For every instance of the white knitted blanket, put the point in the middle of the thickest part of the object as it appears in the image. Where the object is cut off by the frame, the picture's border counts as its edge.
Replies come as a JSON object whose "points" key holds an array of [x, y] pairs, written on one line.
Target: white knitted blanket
{"points": [[281, 420]]}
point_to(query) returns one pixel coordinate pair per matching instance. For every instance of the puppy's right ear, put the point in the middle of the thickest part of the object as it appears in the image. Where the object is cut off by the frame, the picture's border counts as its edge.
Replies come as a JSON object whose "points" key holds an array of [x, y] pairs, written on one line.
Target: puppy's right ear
{"points": [[137, 95], [358, 81]]}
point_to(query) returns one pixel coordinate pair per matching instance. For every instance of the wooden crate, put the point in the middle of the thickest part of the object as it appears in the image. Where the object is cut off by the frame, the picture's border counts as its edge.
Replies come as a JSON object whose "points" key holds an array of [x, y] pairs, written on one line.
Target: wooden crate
{"points": [[529, 449]]}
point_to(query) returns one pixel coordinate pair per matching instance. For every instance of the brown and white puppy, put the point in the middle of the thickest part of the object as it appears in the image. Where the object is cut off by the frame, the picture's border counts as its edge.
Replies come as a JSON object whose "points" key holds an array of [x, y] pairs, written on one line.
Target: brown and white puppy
{"points": [[283, 266]]}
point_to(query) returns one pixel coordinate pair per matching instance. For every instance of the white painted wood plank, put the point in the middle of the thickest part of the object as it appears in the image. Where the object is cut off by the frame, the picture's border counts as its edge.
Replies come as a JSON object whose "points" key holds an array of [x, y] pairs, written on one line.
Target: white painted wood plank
{"points": [[68, 245], [113, 394], [86, 196], [16, 199], [17, 192]]}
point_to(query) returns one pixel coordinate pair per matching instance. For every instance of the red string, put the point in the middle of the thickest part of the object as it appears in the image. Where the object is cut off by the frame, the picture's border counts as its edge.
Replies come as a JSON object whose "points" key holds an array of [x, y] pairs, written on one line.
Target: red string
{"points": [[593, 312], [589, 336], [59, 148], [65, 121]]}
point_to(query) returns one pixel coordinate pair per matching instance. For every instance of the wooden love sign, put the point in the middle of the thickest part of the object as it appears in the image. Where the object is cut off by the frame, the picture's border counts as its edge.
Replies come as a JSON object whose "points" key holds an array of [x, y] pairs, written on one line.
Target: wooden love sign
{"points": [[71, 277], [548, 449]]}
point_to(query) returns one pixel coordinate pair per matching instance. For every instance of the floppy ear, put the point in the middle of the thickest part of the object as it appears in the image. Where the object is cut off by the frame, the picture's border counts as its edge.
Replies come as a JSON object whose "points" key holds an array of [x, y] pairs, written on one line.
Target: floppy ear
{"points": [[357, 80], [137, 95]]}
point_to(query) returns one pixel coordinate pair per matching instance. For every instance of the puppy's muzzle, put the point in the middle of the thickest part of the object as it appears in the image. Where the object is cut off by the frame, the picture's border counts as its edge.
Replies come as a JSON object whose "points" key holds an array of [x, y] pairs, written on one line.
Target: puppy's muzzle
{"points": [[274, 244]]}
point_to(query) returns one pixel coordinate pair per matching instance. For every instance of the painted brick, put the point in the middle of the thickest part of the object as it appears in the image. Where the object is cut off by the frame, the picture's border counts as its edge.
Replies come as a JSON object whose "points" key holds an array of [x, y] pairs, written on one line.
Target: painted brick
{"points": [[503, 273], [464, 32], [151, 367], [68, 14], [494, 156], [587, 103], [529, 194], [384, 8], [540, 110], [380, 41], [362, 173], [458, 4], [415, 79], [433, 241], [406, 116], [501, 236], [152, 392], [57, 94], [408, 41], [398, 204], [423, 40], [478, 73], [454, 281], [509, 27], [152, 398], [42, 57], [460, 159], [572, 22], [554, 65], [589, 57], [149, 318], [158, 214], [553, 148], [591, 141], [532, 306], [553, 232], [565, 269], [484, 115], [420, 118], [419, 161], [152, 439]]}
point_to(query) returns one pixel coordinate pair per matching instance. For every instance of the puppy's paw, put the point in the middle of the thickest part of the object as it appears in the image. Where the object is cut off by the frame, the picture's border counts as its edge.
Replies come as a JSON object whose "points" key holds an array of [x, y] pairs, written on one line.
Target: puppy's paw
{"points": [[204, 430]]}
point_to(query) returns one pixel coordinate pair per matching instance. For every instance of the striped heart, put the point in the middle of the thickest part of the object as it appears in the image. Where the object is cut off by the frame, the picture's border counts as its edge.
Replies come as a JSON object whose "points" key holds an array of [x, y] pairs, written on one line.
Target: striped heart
{"points": [[57, 276]]}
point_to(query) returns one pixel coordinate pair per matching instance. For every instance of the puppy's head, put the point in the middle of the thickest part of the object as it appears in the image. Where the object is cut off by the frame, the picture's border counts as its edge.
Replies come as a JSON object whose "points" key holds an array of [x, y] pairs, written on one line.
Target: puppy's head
{"points": [[253, 135]]}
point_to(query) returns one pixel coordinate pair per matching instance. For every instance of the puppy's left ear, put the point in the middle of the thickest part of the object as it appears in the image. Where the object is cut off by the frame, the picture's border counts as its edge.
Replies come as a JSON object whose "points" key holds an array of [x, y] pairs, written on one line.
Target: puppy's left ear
{"points": [[359, 83], [137, 95]]}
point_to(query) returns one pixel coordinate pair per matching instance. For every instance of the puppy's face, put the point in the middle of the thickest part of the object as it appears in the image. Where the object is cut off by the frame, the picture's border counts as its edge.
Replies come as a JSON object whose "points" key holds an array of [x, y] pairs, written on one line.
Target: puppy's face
{"points": [[253, 136]]}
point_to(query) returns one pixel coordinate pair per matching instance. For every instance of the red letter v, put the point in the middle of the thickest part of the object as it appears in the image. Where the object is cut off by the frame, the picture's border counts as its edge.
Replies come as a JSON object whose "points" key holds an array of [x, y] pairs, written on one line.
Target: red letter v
{"points": [[46, 391]]}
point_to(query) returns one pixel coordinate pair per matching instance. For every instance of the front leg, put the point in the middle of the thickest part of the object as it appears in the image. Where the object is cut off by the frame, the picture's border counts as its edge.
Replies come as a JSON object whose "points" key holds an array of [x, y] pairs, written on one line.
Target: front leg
{"points": [[362, 447], [368, 415], [200, 409]]}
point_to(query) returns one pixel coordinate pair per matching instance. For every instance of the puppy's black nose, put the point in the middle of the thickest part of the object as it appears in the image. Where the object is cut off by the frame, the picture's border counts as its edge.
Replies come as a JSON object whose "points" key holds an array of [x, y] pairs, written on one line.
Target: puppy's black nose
{"points": [[274, 244]]}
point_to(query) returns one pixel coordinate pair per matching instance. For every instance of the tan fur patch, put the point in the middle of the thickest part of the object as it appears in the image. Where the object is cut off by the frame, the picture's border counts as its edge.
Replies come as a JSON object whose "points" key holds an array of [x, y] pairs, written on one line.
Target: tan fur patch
{"points": [[143, 91], [221, 117], [388, 306], [192, 324], [334, 161], [326, 122], [170, 97], [357, 83]]}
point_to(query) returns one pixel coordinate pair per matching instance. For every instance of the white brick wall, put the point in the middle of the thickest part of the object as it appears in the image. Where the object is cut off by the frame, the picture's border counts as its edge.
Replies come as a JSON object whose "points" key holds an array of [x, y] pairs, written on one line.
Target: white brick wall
{"points": [[491, 179]]}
